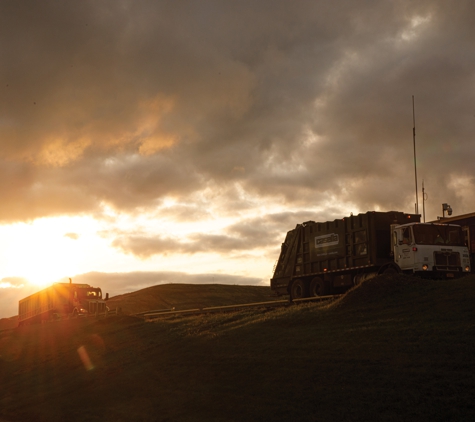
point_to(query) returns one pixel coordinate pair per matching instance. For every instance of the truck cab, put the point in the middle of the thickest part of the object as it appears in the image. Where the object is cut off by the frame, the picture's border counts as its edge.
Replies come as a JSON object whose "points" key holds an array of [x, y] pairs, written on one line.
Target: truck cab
{"points": [[430, 249], [87, 299]]}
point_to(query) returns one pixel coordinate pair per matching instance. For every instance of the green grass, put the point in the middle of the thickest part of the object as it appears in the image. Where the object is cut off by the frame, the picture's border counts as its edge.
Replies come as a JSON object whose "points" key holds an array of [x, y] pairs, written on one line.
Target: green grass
{"points": [[395, 348]]}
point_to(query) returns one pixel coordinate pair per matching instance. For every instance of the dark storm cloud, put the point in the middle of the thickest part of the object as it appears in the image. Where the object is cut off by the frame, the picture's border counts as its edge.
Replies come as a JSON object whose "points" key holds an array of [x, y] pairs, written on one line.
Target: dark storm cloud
{"points": [[305, 102]]}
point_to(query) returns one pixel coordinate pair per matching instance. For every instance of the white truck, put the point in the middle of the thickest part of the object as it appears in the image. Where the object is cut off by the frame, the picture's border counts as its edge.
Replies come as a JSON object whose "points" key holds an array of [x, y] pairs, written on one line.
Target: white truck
{"points": [[430, 249]]}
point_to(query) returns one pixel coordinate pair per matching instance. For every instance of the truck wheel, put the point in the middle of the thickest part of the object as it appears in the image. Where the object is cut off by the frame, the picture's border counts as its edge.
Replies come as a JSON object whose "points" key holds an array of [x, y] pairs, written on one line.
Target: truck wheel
{"points": [[298, 290], [390, 269], [318, 287]]}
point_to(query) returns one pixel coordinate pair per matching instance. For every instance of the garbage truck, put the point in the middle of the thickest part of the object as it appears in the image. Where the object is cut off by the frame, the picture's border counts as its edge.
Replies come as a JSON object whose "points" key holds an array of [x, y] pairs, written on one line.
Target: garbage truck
{"points": [[61, 300], [323, 258]]}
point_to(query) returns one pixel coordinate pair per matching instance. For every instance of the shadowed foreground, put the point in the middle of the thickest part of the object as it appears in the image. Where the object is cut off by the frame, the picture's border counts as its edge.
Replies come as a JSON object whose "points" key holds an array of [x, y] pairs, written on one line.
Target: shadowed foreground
{"points": [[394, 348]]}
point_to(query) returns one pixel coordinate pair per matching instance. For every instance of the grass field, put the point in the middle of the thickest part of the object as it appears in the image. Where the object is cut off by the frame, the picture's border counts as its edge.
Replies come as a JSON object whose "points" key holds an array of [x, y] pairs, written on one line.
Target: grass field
{"points": [[393, 349]]}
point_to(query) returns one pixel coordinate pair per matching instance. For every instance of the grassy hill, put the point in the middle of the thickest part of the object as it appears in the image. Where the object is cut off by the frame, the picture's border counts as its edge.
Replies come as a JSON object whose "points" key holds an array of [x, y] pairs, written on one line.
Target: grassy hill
{"points": [[178, 296], [188, 296], [394, 348]]}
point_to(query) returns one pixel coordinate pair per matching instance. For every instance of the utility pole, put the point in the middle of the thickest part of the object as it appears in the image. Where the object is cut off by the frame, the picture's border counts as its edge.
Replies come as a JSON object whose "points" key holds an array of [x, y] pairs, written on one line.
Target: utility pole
{"points": [[414, 142]]}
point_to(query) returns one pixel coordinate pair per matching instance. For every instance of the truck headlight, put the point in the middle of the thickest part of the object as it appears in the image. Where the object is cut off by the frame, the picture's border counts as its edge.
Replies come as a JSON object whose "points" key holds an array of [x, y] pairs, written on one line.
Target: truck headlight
{"points": [[425, 267]]}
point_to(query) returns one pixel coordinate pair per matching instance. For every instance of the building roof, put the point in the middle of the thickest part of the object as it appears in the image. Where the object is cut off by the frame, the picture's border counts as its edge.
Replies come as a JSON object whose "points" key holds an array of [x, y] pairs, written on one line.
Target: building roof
{"points": [[454, 218]]}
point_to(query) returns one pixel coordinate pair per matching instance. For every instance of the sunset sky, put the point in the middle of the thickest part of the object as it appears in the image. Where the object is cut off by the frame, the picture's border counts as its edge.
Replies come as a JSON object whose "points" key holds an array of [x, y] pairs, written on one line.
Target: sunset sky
{"points": [[145, 142]]}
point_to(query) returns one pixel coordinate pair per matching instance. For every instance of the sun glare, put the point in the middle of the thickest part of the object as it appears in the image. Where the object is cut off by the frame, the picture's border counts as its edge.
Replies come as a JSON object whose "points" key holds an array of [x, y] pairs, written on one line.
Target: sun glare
{"points": [[43, 251], [49, 250]]}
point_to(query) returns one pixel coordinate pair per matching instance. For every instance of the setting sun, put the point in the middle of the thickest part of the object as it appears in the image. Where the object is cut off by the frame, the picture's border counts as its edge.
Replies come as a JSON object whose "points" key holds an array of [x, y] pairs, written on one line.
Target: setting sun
{"points": [[43, 251]]}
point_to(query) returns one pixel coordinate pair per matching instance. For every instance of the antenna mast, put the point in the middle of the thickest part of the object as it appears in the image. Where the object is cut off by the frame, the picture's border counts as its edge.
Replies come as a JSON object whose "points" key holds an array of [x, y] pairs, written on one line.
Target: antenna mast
{"points": [[414, 142], [424, 196]]}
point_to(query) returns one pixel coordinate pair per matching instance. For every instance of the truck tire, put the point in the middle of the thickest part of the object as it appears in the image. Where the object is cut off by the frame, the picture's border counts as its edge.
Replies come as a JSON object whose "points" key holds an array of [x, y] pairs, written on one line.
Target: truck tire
{"points": [[390, 269], [298, 290], [318, 287]]}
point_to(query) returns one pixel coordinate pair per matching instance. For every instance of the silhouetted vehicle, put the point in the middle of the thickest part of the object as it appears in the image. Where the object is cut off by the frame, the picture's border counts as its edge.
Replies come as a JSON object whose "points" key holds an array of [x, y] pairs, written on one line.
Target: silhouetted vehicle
{"points": [[319, 259], [467, 222], [61, 300]]}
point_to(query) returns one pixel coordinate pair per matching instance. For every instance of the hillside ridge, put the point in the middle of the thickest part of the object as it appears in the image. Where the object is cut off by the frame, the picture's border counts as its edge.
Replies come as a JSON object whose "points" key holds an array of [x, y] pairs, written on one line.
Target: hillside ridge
{"points": [[393, 348]]}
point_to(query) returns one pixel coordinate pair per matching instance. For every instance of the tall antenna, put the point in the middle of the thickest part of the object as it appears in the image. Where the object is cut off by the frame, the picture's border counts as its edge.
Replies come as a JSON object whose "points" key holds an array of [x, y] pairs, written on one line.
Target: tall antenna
{"points": [[414, 142], [424, 198]]}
